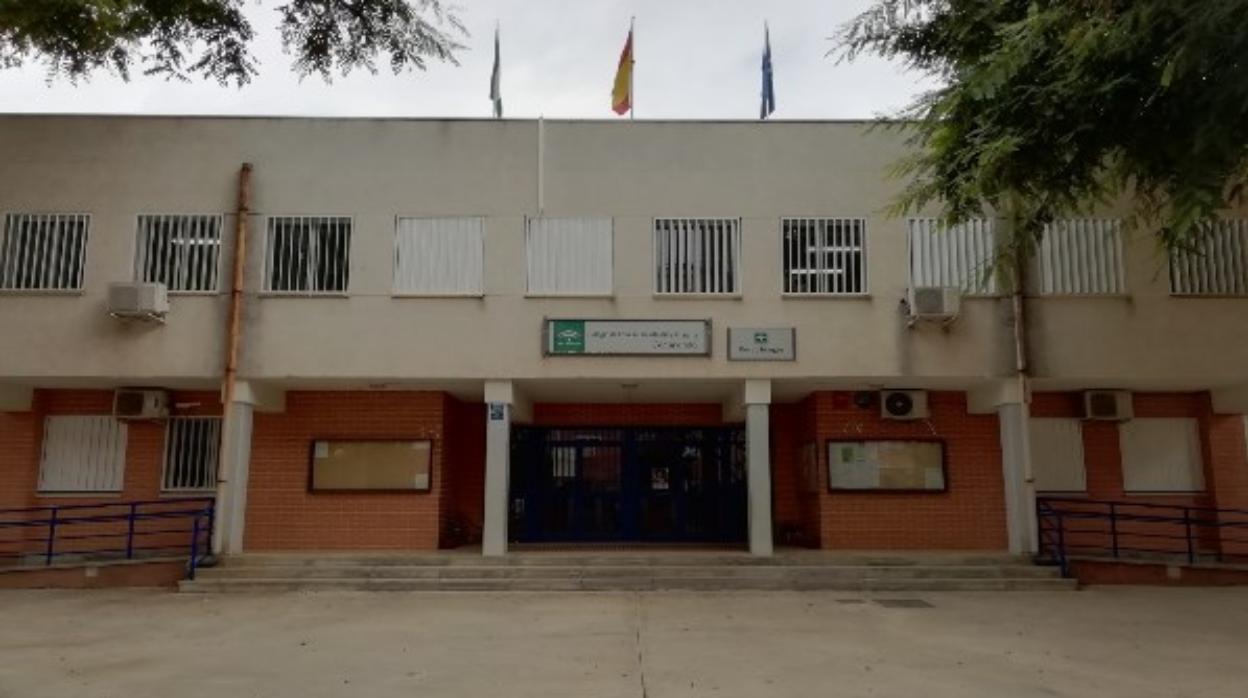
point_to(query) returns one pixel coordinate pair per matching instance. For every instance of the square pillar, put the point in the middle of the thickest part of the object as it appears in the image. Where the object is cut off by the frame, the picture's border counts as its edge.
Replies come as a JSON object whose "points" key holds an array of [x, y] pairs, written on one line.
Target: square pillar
{"points": [[499, 397], [233, 472], [757, 402], [1020, 490]]}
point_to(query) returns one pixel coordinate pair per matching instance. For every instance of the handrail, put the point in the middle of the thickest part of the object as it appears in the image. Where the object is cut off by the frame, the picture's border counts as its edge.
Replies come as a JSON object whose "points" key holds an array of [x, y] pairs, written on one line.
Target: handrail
{"points": [[1078, 527], [108, 531]]}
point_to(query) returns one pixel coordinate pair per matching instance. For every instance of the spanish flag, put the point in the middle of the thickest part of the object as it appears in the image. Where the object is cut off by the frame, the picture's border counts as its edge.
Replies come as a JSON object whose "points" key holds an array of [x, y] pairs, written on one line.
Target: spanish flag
{"points": [[622, 92]]}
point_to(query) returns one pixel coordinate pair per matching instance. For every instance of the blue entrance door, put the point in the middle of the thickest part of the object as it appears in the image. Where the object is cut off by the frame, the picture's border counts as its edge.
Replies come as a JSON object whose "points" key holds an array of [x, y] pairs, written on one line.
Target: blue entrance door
{"points": [[635, 484]]}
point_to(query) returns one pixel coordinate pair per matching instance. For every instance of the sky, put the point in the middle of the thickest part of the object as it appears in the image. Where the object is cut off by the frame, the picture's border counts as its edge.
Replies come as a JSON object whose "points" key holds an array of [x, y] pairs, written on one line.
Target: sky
{"points": [[695, 59]]}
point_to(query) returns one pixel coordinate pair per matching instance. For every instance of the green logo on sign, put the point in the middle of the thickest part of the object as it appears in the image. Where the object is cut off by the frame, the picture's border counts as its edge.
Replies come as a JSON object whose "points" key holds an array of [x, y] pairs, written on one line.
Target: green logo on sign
{"points": [[567, 337]]}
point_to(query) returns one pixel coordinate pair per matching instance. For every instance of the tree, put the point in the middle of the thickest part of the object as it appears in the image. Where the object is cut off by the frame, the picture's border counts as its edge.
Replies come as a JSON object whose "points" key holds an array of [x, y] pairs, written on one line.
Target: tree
{"points": [[1048, 106], [211, 38]]}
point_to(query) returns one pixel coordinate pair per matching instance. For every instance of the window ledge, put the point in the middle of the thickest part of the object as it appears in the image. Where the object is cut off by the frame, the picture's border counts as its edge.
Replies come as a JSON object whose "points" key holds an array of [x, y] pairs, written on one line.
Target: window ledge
{"points": [[446, 295], [1079, 296], [42, 292], [697, 296], [298, 294], [1165, 493], [826, 296], [78, 495], [1209, 296], [559, 296]]}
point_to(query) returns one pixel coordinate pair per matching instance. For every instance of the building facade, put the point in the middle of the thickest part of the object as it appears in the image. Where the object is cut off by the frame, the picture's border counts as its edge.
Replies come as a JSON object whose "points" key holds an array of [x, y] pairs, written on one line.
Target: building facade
{"points": [[508, 331]]}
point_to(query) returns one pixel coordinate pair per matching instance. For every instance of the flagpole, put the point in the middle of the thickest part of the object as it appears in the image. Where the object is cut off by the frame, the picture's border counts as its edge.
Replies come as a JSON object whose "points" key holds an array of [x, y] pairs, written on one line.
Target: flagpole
{"points": [[632, 68]]}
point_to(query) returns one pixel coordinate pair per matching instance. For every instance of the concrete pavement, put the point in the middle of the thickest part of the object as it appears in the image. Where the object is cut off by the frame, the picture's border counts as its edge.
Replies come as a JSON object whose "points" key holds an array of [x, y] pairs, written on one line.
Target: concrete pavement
{"points": [[1136, 642]]}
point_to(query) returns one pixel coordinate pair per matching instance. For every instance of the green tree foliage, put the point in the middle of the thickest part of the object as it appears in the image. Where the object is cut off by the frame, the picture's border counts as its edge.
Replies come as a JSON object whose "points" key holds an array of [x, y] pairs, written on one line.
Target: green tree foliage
{"points": [[1048, 106], [211, 38]]}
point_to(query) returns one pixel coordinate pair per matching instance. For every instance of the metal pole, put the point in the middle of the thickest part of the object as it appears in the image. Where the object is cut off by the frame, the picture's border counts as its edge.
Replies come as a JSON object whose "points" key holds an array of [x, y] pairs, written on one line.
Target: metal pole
{"points": [[632, 68], [1113, 526], [130, 530], [190, 567], [1187, 526], [51, 537]]}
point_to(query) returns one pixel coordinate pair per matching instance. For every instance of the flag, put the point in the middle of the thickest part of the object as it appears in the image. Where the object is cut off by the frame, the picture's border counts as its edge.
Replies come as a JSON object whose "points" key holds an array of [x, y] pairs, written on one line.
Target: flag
{"points": [[496, 80], [622, 92], [769, 90]]}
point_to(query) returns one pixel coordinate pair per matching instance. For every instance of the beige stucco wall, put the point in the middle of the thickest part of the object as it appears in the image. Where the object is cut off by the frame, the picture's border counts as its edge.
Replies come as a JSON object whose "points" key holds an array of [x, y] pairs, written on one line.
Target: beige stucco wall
{"points": [[373, 170]]}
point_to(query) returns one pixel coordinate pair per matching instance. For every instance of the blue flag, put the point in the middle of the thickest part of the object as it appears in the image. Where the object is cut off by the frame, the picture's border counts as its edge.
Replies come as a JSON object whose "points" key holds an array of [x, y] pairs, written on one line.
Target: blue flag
{"points": [[769, 89]]}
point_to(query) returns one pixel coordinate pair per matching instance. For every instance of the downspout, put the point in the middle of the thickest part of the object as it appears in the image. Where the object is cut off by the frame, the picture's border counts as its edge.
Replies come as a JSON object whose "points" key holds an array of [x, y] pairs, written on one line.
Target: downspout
{"points": [[233, 341]]}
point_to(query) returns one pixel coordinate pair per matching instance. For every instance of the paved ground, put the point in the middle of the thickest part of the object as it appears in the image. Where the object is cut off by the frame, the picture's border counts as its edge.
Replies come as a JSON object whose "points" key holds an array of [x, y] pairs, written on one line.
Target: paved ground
{"points": [[1102, 642]]}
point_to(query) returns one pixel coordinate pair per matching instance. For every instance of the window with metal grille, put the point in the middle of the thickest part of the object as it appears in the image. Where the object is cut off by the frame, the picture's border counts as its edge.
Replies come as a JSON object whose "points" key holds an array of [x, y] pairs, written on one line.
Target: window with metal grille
{"points": [[697, 255], [82, 454], [1081, 257], [192, 445], [181, 252], [1216, 264], [308, 254], [960, 256], [569, 256], [439, 256], [825, 256], [43, 251]]}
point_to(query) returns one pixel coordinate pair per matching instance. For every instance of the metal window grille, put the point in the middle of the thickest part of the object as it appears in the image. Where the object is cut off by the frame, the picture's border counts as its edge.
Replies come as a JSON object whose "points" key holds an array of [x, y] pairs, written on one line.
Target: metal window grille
{"points": [[308, 254], [43, 251], [1081, 256], [1216, 264], [439, 256], [824, 256], [192, 445], [960, 256], [82, 454], [182, 252], [570, 256], [697, 255]]}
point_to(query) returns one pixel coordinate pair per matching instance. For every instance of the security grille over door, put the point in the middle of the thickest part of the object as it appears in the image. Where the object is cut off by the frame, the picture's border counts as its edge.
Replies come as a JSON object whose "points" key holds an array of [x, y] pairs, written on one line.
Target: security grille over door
{"points": [[1216, 264], [43, 251], [960, 256], [308, 254], [697, 255], [1081, 256], [181, 252], [825, 256], [191, 451]]}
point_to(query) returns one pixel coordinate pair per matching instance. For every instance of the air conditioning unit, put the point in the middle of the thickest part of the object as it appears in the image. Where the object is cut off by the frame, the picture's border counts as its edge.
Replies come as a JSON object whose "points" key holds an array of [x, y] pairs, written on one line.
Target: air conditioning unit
{"points": [[903, 404], [137, 403], [143, 301], [939, 303], [1107, 405]]}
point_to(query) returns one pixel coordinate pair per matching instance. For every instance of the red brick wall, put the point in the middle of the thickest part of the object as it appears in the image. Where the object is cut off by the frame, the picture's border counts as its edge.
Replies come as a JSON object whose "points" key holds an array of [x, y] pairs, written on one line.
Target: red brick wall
{"points": [[282, 514], [786, 472], [464, 511], [970, 515]]}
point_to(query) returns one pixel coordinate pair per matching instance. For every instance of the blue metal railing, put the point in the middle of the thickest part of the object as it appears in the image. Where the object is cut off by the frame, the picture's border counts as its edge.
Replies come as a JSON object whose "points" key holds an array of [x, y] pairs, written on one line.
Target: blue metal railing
{"points": [[1072, 527], [108, 531]]}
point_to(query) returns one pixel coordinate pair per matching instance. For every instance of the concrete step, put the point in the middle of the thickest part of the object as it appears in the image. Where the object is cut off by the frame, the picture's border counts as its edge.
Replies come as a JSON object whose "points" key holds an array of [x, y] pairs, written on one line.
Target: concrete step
{"points": [[279, 584], [581, 559], [553, 572]]}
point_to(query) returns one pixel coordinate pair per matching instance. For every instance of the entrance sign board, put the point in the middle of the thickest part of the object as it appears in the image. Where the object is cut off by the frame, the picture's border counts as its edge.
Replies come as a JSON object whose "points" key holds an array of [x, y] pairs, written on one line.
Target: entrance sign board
{"points": [[627, 338], [762, 344]]}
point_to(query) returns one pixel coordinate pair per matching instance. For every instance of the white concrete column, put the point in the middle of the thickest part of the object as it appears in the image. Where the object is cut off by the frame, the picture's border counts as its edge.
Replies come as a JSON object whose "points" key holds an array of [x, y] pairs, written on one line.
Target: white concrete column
{"points": [[233, 473], [499, 398], [1020, 491], [757, 401]]}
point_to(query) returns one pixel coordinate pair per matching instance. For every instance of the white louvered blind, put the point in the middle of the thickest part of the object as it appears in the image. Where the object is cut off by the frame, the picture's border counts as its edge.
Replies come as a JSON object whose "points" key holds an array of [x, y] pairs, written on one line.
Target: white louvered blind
{"points": [[960, 256], [182, 252], [697, 255], [308, 254], [439, 256], [1081, 256], [1161, 455], [571, 256], [1217, 264], [824, 256], [82, 454], [43, 251], [1057, 455], [191, 448]]}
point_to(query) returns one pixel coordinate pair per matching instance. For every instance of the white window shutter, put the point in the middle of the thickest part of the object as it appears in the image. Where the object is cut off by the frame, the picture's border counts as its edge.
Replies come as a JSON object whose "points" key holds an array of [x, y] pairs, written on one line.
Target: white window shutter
{"points": [[1161, 455], [960, 256], [439, 256], [82, 454], [1081, 256], [1057, 461], [570, 256], [1217, 264]]}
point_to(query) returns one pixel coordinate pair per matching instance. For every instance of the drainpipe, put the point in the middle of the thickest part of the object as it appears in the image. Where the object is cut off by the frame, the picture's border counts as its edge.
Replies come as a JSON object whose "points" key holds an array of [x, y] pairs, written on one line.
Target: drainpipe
{"points": [[233, 342]]}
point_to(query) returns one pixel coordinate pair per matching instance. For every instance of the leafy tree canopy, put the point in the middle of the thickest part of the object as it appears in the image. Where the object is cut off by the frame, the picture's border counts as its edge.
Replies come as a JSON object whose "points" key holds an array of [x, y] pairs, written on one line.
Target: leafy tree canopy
{"points": [[212, 38], [1048, 106]]}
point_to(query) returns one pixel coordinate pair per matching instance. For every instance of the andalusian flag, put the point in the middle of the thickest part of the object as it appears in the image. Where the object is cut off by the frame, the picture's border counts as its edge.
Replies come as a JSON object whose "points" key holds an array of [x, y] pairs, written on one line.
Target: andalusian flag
{"points": [[496, 80], [622, 92]]}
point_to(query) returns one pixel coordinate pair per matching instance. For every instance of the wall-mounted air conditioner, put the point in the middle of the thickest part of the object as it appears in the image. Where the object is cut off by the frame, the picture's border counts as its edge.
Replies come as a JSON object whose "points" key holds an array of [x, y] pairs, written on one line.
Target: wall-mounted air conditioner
{"points": [[138, 403], [138, 300], [1107, 405], [936, 303], [903, 404]]}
